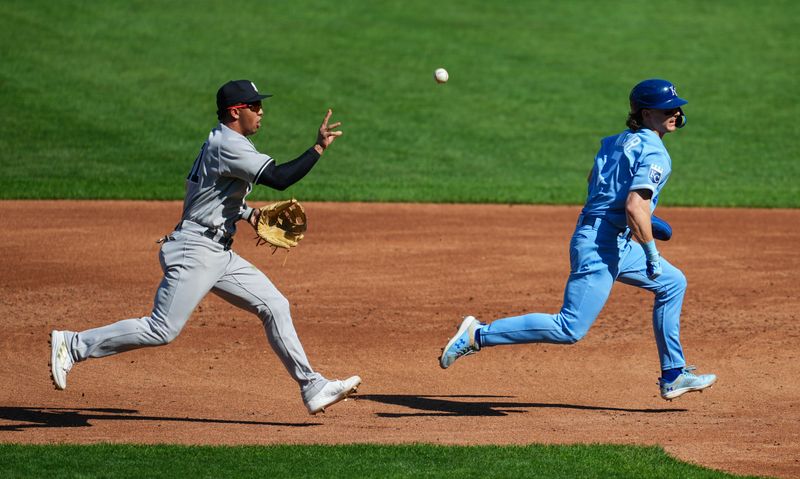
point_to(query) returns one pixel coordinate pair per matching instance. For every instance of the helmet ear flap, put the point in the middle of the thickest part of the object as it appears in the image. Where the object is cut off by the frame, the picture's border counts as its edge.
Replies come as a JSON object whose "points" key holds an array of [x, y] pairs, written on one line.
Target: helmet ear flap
{"points": [[681, 121]]}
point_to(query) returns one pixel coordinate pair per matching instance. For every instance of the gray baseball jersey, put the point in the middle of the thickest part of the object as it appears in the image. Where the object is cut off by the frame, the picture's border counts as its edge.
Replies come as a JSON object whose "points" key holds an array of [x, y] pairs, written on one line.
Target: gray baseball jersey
{"points": [[221, 177], [196, 259]]}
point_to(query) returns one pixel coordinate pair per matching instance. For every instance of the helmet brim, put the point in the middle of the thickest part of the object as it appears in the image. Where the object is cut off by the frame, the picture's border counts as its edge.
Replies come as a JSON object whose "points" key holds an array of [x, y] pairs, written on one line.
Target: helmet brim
{"points": [[674, 102]]}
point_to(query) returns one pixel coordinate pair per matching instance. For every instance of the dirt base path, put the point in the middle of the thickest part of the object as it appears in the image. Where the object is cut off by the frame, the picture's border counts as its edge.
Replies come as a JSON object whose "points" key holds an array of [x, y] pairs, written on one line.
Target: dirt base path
{"points": [[381, 303]]}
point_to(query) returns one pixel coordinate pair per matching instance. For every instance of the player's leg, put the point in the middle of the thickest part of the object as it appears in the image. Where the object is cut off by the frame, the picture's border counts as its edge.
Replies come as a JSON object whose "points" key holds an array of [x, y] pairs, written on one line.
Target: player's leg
{"points": [[248, 288], [191, 266], [593, 263], [669, 289], [584, 297], [594, 255]]}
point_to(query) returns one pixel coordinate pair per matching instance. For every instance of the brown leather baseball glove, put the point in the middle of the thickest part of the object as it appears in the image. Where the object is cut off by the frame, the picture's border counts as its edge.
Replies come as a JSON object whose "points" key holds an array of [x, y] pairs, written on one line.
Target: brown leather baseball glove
{"points": [[281, 224]]}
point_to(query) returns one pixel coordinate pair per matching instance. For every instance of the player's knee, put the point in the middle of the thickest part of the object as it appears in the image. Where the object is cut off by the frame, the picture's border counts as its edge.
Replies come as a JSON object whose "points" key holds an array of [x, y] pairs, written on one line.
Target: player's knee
{"points": [[573, 327], [277, 308], [680, 280], [573, 330], [676, 283], [573, 336], [162, 332], [170, 336], [165, 336]]}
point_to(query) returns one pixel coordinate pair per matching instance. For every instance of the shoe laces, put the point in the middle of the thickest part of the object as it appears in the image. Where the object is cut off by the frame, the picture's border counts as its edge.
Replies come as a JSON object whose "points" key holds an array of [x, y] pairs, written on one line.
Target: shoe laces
{"points": [[64, 358]]}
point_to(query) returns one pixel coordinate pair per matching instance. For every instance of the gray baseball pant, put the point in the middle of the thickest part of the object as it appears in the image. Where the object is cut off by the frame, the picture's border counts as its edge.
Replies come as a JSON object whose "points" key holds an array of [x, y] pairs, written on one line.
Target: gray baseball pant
{"points": [[193, 265]]}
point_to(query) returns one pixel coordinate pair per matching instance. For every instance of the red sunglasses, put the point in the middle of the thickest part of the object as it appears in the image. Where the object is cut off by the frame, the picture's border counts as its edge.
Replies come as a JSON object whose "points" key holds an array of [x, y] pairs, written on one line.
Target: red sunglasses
{"points": [[254, 107]]}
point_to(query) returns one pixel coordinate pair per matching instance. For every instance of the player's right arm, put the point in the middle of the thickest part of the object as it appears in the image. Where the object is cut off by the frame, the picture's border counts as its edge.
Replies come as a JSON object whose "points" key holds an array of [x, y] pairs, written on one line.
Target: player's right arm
{"points": [[283, 176], [637, 210], [240, 159], [650, 173]]}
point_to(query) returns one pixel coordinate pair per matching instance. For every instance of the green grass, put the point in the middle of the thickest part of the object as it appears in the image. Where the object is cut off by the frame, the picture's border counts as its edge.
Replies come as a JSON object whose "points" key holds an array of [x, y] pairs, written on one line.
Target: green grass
{"points": [[112, 99], [352, 461]]}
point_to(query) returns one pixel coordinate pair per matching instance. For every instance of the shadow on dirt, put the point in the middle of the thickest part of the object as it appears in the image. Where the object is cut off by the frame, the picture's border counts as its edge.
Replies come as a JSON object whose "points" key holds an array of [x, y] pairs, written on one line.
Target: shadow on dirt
{"points": [[43, 417], [489, 406]]}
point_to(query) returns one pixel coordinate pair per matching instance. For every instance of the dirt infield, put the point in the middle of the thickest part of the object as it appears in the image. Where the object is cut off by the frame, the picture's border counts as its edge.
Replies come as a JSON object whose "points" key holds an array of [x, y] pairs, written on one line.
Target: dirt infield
{"points": [[381, 305]]}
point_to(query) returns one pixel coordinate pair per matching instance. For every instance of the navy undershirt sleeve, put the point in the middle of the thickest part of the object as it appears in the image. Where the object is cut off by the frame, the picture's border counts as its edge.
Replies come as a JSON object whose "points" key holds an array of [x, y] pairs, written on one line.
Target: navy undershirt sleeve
{"points": [[283, 176]]}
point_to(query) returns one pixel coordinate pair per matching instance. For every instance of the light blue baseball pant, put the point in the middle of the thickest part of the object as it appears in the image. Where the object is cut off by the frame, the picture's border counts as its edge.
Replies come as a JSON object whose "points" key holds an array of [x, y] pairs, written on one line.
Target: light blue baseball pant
{"points": [[599, 255]]}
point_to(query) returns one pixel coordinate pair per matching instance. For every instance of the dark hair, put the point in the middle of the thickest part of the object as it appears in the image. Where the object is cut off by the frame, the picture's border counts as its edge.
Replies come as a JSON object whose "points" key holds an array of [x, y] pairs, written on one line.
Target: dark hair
{"points": [[635, 121], [224, 116]]}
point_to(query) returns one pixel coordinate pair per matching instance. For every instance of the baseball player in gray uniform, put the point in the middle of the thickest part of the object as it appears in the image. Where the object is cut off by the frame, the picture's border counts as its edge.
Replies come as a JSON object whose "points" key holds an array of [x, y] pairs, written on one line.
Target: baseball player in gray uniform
{"points": [[197, 258]]}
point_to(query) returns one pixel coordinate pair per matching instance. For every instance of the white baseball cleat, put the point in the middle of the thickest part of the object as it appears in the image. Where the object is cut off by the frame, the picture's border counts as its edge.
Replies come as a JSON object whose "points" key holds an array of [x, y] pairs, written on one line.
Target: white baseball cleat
{"points": [[685, 383], [331, 393], [60, 359], [462, 344]]}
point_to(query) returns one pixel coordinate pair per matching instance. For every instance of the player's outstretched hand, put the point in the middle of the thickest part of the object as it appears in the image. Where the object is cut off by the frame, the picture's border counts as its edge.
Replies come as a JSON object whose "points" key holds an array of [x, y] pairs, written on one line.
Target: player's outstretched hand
{"points": [[328, 133]]}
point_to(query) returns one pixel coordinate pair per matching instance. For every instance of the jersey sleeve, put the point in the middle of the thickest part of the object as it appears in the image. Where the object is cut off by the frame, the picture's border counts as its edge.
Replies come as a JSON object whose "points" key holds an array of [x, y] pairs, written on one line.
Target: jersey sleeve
{"points": [[650, 171], [240, 159]]}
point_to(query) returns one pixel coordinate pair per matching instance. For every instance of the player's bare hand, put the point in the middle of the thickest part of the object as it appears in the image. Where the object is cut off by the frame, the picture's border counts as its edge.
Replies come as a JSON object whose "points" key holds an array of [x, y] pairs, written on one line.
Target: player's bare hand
{"points": [[328, 133], [254, 217]]}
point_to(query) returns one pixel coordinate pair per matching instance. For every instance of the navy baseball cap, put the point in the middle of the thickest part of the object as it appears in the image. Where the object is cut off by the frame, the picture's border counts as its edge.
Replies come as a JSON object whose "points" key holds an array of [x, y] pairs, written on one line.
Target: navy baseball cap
{"points": [[238, 91]]}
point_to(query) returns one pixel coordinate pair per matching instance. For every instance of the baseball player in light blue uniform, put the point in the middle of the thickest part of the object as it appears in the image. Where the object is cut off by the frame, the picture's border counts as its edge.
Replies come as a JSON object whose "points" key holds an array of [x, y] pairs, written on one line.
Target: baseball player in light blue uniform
{"points": [[197, 258], [613, 241]]}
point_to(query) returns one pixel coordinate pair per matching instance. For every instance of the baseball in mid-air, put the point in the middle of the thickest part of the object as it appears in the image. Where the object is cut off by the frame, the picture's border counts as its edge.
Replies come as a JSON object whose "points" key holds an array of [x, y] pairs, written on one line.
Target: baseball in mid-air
{"points": [[440, 75]]}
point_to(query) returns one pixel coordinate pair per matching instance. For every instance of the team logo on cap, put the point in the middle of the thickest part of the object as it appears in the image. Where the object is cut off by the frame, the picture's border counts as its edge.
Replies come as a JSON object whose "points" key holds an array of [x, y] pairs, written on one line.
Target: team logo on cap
{"points": [[672, 90], [256, 89], [656, 172]]}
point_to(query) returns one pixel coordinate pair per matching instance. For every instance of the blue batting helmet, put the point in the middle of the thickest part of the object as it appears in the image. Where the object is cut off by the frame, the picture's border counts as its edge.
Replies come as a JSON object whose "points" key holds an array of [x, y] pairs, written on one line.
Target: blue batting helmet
{"points": [[656, 94]]}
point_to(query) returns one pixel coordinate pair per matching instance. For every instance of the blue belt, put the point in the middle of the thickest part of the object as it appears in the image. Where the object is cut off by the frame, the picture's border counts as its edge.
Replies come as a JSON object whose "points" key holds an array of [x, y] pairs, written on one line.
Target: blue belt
{"points": [[595, 221]]}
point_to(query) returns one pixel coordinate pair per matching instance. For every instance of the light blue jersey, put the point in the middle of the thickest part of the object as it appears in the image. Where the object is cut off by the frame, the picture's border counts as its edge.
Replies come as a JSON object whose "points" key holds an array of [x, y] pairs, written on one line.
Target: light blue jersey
{"points": [[602, 251], [605, 249], [626, 162]]}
